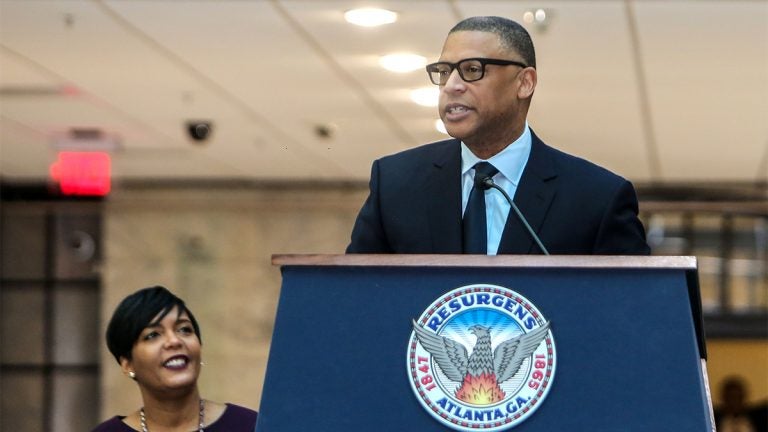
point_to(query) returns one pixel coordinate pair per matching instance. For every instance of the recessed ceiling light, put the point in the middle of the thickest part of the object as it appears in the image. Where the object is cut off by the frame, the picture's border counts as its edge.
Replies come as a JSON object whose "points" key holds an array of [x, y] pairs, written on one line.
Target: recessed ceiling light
{"points": [[440, 126], [531, 16], [426, 96], [402, 63], [370, 17], [539, 18]]}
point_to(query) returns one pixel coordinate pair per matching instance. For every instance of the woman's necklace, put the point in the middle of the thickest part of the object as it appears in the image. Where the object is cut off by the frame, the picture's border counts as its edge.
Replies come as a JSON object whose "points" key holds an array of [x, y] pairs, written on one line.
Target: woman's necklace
{"points": [[144, 418]]}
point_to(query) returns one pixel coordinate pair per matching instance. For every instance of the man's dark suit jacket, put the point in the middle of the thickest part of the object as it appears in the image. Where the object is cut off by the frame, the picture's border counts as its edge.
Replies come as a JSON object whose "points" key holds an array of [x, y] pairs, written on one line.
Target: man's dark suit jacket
{"points": [[575, 206]]}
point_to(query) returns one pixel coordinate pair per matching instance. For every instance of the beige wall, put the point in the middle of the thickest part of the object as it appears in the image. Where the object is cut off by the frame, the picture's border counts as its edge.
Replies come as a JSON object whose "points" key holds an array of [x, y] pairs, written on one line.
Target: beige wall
{"points": [[212, 247]]}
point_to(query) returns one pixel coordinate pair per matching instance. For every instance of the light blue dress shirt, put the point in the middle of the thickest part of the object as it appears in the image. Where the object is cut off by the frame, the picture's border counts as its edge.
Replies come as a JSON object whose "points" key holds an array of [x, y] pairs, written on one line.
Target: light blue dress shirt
{"points": [[510, 162]]}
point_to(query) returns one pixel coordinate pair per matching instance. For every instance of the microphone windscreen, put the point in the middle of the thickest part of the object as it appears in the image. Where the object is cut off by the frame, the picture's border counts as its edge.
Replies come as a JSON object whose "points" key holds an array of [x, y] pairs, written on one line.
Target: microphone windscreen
{"points": [[484, 183]]}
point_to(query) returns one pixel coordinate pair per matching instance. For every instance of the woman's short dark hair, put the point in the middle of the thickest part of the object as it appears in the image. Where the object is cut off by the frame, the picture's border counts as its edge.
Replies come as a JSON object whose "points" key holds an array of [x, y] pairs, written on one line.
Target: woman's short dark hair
{"points": [[136, 312]]}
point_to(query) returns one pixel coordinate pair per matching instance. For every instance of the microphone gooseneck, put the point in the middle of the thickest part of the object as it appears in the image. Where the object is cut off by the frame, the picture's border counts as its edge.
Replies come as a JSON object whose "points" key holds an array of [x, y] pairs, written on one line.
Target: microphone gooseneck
{"points": [[486, 183]]}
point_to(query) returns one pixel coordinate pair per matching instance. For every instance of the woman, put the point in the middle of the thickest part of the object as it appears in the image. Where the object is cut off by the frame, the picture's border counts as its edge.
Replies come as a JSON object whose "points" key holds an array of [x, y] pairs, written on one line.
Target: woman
{"points": [[156, 341]]}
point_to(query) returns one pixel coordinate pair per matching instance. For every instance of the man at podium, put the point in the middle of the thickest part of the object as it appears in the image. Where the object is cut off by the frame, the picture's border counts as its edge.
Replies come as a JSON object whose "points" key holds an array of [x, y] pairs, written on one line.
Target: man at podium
{"points": [[452, 196]]}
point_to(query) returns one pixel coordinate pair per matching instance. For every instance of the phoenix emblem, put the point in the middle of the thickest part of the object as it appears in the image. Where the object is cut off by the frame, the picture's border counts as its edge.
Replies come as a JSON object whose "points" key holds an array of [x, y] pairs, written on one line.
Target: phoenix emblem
{"points": [[481, 372]]}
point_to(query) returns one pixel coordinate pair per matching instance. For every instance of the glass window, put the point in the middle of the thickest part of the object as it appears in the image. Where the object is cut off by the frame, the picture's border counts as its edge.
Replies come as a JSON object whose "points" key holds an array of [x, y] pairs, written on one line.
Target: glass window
{"points": [[75, 325], [23, 323], [23, 245], [21, 402], [75, 401]]}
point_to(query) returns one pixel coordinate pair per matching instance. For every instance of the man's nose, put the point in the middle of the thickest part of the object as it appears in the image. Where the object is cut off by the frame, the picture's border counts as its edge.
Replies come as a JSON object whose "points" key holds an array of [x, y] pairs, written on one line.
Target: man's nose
{"points": [[454, 81]]}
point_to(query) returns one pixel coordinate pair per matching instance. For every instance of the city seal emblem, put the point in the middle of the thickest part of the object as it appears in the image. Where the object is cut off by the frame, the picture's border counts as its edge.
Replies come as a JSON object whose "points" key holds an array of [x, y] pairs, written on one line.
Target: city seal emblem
{"points": [[481, 357]]}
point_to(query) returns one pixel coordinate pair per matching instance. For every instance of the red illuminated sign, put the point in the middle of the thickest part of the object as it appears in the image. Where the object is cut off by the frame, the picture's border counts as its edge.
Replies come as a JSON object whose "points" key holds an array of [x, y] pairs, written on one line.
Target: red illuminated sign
{"points": [[82, 173]]}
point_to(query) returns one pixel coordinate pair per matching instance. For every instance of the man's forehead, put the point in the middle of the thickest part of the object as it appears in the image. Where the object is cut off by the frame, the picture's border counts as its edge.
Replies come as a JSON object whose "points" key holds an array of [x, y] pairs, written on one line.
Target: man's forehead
{"points": [[471, 43]]}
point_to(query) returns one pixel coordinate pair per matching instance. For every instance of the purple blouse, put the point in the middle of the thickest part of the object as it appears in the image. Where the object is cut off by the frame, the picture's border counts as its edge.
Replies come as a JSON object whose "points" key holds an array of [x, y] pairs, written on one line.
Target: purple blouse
{"points": [[234, 419]]}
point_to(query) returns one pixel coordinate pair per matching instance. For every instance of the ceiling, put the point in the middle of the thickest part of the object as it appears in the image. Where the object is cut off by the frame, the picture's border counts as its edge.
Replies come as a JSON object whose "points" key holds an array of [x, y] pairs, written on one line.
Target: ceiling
{"points": [[659, 91]]}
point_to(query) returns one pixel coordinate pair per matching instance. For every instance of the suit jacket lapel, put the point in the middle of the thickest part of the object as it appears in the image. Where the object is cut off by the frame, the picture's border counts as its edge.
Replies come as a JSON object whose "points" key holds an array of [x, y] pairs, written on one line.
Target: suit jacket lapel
{"points": [[443, 200], [533, 197]]}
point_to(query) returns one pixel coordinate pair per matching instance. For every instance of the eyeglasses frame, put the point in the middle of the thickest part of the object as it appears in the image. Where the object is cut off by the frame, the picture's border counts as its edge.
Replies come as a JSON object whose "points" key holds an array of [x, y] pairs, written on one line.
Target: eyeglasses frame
{"points": [[483, 62]]}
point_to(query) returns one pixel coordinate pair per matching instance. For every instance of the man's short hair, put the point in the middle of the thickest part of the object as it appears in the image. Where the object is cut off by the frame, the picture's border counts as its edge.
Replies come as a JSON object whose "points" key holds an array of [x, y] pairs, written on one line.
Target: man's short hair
{"points": [[513, 36], [136, 312]]}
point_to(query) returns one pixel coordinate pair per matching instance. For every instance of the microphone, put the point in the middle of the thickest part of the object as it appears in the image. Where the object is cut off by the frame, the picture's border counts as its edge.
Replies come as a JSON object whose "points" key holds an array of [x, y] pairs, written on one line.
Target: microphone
{"points": [[485, 183]]}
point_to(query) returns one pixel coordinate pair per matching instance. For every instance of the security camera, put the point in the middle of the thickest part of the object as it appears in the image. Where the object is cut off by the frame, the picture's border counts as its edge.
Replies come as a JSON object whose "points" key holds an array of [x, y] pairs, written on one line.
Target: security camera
{"points": [[199, 130], [325, 130]]}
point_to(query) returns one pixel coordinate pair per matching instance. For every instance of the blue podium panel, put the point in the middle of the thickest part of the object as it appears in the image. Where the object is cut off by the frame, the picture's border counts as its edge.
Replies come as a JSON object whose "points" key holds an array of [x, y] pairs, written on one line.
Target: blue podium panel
{"points": [[626, 344]]}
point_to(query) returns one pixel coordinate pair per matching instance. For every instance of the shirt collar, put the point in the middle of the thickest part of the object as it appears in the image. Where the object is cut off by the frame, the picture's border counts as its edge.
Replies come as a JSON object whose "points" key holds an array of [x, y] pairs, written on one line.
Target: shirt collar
{"points": [[510, 162]]}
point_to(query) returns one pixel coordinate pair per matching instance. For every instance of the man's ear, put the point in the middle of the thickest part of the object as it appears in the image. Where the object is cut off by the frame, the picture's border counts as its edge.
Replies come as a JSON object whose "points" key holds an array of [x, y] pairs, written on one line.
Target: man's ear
{"points": [[528, 79]]}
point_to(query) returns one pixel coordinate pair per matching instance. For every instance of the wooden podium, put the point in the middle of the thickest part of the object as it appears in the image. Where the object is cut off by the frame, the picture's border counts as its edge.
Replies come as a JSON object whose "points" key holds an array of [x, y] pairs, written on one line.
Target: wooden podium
{"points": [[628, 333]]}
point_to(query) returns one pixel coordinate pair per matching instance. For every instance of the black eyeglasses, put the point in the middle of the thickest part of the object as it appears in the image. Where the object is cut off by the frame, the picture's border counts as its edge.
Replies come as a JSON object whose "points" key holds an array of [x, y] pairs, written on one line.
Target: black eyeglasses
{"points": [[471, 69]]}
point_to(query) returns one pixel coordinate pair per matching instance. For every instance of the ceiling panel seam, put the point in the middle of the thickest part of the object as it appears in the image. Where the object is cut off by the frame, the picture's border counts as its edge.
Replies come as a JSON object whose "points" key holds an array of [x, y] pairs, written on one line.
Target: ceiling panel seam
{"points": [[53, 76], [407, 139], [21, 125], [80, 92], [647, 126], [455, 10], [211, 84]]}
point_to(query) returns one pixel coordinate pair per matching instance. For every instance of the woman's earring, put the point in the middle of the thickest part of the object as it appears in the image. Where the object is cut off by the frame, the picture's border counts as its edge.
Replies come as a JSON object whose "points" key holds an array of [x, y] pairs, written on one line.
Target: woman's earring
{"points": [[202, 364], [132, 374]]}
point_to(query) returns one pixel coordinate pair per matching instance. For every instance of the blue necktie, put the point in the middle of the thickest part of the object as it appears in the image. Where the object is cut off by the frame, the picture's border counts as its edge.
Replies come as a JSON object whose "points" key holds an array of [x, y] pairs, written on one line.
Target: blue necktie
{"points": [[474, 223]]}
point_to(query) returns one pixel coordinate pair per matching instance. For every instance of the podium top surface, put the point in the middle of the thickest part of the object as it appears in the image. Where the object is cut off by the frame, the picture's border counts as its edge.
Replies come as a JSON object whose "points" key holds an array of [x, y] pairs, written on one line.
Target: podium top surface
{"points": [[531, 261]]}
